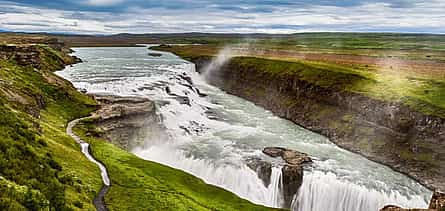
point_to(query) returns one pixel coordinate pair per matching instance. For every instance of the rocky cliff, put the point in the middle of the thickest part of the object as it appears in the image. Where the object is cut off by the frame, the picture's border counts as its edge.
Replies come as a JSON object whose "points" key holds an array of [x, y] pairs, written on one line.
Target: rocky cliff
{"points": [[127, 121], [388, 132]]}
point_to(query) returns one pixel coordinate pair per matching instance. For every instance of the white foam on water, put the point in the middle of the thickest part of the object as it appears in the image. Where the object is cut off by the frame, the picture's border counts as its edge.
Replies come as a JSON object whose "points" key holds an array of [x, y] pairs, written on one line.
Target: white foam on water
{"points": [[214, 149], [229, 174], [322, 191]]}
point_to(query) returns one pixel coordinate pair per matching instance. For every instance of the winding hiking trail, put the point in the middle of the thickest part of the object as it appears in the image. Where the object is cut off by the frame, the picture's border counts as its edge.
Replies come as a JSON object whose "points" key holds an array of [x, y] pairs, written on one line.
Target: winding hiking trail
{"points": [[99, 200]]}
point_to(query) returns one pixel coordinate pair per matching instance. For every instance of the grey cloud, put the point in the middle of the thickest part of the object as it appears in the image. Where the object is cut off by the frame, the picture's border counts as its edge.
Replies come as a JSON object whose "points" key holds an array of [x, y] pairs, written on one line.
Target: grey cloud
{"points": [[235, 16]]}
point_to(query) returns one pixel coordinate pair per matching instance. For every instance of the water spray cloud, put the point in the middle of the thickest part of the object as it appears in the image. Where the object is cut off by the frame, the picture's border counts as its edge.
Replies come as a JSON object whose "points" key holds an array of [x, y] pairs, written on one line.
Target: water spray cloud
{"points": [[224, 55]]}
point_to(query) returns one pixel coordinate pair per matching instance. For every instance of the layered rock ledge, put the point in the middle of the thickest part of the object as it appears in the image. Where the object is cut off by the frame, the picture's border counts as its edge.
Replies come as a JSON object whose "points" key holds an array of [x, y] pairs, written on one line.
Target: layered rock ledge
{"points": [[127, 122]]}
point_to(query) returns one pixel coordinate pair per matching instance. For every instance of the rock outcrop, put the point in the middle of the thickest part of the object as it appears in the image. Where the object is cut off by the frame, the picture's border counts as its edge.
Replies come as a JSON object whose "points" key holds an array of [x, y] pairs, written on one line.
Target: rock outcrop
{"points": [[292, 157], [292, 170], [437, 203], [396, 208], [127, 121], [34, 54], [44, 60]]}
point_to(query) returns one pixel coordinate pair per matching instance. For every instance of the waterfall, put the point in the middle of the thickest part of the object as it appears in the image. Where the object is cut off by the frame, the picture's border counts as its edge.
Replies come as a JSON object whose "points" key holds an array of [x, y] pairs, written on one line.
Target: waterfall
{"points": [[215, 148], [275, 188], [229, 174], [322, 191]]}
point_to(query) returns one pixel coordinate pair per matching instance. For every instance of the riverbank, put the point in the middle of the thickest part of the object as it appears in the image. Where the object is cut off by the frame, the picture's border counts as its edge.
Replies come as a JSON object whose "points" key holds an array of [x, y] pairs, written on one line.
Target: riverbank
{"points": [[327, 99]]}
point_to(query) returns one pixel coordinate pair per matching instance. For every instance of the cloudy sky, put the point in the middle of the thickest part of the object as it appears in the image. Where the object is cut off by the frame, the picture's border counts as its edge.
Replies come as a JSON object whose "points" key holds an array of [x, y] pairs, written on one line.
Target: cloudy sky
{"points": [[234, 16]]}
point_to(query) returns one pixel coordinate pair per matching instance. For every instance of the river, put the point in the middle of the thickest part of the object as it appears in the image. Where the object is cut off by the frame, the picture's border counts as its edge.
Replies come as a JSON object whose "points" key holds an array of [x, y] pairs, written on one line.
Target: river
{"points": [[211, 136]]}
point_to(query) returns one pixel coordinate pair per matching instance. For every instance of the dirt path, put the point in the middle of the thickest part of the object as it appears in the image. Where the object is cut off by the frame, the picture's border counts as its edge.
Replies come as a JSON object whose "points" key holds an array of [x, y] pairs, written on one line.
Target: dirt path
{"points": [[99, 200]]}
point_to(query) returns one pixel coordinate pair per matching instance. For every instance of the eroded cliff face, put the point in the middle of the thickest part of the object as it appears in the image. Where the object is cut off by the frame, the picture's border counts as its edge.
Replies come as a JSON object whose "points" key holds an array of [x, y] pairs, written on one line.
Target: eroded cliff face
{"points": [[127, 122], [387, 132]]}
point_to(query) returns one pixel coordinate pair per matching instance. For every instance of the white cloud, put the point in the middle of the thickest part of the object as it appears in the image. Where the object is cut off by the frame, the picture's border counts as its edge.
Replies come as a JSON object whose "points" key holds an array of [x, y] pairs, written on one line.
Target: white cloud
{"points": [[422, 17], [103, 2]]}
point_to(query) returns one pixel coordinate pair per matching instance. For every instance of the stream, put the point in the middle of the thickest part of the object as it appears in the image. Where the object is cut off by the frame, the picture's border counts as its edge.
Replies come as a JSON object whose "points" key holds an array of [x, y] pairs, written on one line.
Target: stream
{"points": [[211, 136], [85, 148]]}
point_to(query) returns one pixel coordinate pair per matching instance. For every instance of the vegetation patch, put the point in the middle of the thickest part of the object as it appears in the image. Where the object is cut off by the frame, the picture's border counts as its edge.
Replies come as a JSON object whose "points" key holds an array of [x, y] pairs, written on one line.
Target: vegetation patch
{"points": [[41, 168]]}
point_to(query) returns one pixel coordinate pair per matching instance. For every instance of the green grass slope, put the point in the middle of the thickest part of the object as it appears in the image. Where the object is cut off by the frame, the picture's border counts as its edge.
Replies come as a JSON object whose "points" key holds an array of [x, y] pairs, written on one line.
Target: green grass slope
{"points": [[41, 168]]}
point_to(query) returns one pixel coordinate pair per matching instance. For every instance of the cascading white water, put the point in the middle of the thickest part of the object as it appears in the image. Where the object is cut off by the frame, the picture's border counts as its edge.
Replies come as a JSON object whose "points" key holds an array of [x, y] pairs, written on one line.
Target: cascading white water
{"points": [[229, 173], [212, 136], [276, 187], [319, 186]]}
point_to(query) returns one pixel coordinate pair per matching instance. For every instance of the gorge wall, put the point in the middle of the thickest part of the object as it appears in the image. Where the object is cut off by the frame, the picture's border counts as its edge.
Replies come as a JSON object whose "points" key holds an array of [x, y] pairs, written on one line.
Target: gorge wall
{"points": [[386, 132], [127, 122]]}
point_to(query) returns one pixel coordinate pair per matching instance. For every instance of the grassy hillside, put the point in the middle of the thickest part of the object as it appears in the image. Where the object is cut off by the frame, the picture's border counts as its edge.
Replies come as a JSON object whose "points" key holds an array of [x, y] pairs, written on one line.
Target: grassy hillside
{"points": [[143, 185], [41, 168]]}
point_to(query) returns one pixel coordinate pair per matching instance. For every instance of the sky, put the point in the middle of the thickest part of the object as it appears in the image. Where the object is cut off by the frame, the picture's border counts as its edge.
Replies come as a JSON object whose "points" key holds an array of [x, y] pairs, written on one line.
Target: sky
{"points": [[222, 16]]}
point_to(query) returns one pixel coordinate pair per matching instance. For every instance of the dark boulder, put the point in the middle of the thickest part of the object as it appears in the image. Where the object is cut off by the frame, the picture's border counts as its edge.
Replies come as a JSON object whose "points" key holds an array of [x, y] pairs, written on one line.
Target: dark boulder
{"points": [[187, 78], [183, 100], [155, 54]]}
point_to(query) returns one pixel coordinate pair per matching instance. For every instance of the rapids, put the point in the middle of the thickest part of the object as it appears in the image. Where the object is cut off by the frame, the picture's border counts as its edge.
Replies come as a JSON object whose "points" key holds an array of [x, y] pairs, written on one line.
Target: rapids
{"points": [[211, 136]]}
